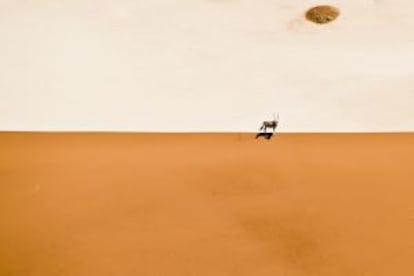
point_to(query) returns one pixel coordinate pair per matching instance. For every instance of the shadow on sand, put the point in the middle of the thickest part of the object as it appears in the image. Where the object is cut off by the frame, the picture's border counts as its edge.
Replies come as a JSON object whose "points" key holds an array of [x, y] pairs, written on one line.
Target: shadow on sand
{"points": [[266, 135]]}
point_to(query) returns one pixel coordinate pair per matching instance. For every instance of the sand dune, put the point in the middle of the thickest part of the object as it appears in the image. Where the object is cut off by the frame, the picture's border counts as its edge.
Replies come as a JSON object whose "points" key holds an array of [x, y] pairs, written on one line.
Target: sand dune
{"points": [[206, 204]]}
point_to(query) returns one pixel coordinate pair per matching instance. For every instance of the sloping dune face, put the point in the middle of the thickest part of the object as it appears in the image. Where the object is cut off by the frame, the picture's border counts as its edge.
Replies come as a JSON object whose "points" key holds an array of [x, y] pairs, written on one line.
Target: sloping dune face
{"points": [[206, 204]]}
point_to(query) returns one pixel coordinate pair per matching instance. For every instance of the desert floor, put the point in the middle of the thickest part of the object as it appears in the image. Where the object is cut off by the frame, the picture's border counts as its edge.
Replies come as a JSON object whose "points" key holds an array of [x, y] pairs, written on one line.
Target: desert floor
{"points": [[206, 204]]}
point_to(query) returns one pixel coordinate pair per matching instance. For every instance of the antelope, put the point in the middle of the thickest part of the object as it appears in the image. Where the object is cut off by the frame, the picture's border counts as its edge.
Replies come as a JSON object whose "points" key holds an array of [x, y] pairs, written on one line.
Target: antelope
{"points": [[270, 124]]}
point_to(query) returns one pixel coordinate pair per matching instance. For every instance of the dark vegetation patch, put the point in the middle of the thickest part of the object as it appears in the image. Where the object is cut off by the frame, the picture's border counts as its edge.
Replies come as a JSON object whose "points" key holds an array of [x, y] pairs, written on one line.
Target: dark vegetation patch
{"points": [[322, 14]]}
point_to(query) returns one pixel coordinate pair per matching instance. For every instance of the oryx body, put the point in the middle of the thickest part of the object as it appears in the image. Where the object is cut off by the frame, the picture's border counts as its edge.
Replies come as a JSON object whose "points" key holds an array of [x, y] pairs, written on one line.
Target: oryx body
{"points": [[270, 124]]}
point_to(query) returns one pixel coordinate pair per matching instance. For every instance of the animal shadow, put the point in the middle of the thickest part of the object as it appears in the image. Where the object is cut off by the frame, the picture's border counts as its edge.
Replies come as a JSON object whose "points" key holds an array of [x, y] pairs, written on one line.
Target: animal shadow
{"points": [[265, 135]]}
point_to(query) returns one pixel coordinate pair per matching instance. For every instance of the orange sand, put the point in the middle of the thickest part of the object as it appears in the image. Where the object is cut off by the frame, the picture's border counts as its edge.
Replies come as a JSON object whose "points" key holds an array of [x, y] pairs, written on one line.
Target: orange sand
{"points": [[206, 204]]}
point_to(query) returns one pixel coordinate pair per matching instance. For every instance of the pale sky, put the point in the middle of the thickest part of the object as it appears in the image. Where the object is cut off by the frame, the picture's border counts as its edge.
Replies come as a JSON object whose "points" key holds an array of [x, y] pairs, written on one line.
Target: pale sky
{"points": [[200, 65]]}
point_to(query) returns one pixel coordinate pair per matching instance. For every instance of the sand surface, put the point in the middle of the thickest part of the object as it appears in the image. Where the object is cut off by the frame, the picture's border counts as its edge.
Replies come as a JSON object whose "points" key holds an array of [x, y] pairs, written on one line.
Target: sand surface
{"points": [[205, 65], [206, 204]]}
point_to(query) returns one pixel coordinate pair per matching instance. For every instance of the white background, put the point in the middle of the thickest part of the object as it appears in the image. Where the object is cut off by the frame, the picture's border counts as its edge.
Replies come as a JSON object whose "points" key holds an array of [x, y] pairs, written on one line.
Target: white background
{"points": [[199, 65]]}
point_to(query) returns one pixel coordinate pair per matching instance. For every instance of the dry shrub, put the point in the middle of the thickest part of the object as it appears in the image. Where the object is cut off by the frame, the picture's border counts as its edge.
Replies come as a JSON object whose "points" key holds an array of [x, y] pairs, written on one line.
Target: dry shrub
{"points": [[322, 14]]}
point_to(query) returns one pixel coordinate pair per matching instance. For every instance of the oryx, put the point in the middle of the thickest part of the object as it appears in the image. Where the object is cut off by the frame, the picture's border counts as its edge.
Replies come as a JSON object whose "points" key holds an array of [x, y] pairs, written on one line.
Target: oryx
{"points": [[270, 124]]}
